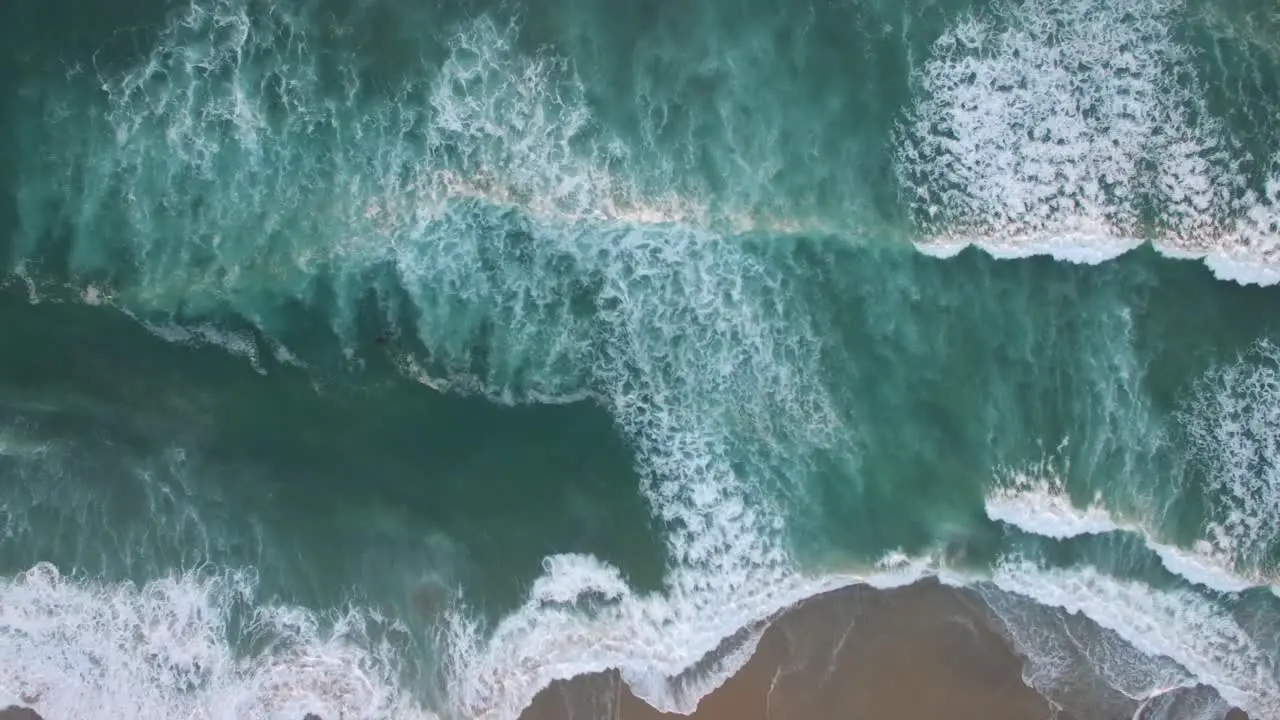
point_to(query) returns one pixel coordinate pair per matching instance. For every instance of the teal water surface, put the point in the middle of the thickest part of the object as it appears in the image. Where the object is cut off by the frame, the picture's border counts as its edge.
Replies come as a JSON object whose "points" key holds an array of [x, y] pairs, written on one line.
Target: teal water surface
{"points": [[389, 359]]}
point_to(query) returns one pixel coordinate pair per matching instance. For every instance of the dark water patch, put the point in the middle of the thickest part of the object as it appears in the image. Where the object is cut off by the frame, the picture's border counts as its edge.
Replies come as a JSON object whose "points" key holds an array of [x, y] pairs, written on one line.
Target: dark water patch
{"points": [[1186, 321], [324, 464]]}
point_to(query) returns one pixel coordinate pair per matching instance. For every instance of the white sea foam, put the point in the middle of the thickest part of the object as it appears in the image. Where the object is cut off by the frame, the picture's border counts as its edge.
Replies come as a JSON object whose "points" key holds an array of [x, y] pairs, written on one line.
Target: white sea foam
{"points": [[17, 444], [1232, 423], [1244, 271], [1232, 426], [1038, 504], [1206, 643], [72, 649], [1143, 643], [686, 341], [593, 289], [1202, 566], [653, 640], [1034, 123], [235, 343], [688, 345], [1198, 703], [687, 359], [650, 639]]}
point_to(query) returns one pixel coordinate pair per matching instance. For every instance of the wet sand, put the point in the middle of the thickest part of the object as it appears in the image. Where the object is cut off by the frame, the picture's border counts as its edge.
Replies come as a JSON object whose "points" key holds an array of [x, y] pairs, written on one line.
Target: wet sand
{"points": [[916, 653], [923, 652]]}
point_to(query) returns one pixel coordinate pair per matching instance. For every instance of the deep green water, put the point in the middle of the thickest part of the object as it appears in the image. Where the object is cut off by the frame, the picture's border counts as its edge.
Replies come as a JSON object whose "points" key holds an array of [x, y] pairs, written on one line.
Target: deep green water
{"points": [[379, 358]]}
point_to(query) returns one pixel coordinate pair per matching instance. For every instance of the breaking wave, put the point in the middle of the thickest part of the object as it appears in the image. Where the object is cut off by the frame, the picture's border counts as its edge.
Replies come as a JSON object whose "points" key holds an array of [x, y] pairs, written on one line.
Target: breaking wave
{"points": [[1078, 130], [504, 242]]}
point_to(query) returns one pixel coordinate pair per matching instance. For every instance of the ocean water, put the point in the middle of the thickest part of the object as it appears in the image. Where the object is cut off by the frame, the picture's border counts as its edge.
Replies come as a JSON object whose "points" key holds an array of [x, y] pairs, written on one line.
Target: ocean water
{"points": [[395, 358]]}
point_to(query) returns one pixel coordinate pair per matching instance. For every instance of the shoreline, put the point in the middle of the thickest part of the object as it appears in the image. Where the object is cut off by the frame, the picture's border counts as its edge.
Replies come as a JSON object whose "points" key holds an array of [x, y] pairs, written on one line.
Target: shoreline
{"points": [[920, 651], [924, 651]]}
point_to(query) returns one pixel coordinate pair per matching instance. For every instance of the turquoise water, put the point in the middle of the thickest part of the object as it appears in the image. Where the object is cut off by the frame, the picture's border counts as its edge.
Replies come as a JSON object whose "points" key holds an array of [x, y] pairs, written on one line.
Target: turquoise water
{"points": [[389, 359]]}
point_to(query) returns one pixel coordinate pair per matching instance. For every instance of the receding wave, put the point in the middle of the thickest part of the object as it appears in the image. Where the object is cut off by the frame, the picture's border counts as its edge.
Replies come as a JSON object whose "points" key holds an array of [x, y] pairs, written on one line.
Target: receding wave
{"points": [[1144, 643]]}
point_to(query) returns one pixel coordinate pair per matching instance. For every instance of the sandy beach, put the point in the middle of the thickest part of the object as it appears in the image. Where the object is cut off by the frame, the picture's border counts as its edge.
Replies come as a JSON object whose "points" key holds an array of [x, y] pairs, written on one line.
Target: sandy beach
{"points": [[915, 653], [921, 652]]}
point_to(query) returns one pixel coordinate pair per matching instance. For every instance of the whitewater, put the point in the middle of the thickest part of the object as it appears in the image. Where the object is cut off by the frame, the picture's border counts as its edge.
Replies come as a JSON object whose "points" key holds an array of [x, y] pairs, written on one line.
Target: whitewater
{"points": [[482, 224]]}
